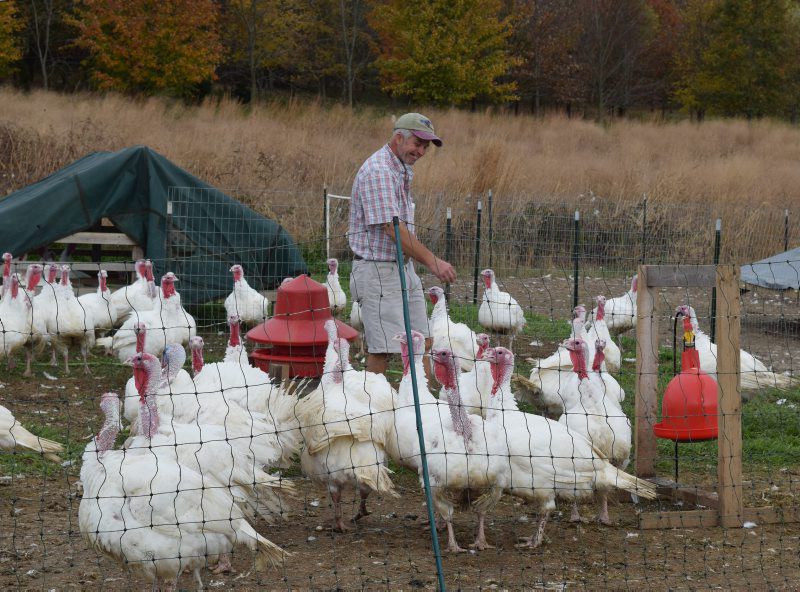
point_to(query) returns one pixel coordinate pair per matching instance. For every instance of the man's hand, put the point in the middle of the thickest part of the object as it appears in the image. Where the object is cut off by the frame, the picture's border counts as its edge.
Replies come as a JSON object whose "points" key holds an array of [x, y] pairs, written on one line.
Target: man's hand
{"points": [[443, 270]]}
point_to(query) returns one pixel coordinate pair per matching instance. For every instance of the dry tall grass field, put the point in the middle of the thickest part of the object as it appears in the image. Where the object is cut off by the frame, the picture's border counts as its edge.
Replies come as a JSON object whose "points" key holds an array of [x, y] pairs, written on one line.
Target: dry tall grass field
{"points": [[745, 171]]}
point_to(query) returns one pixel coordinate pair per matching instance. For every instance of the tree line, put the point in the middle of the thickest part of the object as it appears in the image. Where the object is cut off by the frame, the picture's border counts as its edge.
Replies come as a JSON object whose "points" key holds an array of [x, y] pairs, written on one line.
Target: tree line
{"points": [[705, 57]]}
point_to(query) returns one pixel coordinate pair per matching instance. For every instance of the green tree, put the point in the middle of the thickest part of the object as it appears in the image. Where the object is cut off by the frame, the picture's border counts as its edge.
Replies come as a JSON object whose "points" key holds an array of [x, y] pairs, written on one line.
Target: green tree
{"points": [[267, 36], [737, 57], [10, 25], [444, 51], [149, 46]]}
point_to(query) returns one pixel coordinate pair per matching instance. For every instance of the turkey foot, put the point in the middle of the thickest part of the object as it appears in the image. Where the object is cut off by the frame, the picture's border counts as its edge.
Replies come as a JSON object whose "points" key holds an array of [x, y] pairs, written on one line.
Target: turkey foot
{"points": [[452, 545], [576, 515], [534, 541], [602, 515], [338, 521], [223, 565], [480, 543], [362, 508]]}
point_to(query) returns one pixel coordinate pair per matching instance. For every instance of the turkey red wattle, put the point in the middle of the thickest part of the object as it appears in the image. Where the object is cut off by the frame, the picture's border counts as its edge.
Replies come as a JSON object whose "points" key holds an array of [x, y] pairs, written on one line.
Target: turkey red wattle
{"points": [[141, 333], [578, 358], [404, 354], [52, 271], [168, 286], [65, 275], [235, 340], [599, 355], [238, 273], [600, 315], [444, 368], [483, 344], [196, 345], [7, 265], [14, 287], [102, 275], [33, 276], [501, 365]]}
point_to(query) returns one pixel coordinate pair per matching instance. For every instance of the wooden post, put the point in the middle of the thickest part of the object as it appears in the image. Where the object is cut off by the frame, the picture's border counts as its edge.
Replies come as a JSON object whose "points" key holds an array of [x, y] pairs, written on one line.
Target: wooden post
{"points": [[729, 460], [646, 376]]}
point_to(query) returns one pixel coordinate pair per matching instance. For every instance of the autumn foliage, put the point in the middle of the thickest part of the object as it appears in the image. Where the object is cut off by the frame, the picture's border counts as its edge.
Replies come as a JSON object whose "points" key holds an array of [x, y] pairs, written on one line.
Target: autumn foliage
{"points": [[149, 46], [596, 58], [10, 46]]}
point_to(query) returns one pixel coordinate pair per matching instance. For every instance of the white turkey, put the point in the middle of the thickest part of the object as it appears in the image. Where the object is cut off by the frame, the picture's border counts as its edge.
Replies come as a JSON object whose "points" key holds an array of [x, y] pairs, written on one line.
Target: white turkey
{"points": [[548, 374], [139, 296], [445, 333], [336, 296], [99, 304], [467, 459], [36, 326], [547, 461], [7, 257], [248, 386], [207, 448], [249, 304], [620, 312], [755, 376], [15, 320], [70, 323], [336, 454], [147, 511], [272, 438], [14, 436], [167, 322], [595, 416], [475, 386], [599, 330], [499, 311]]}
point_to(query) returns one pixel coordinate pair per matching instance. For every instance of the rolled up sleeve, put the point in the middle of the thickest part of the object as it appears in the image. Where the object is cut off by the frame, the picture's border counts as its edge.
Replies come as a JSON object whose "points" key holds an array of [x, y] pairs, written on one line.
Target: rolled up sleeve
{"points": [[378, 198]]}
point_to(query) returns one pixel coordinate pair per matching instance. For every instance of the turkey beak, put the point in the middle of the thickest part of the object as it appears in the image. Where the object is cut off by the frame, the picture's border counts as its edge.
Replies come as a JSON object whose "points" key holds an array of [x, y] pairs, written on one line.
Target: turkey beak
{"points": [[128, 362]]}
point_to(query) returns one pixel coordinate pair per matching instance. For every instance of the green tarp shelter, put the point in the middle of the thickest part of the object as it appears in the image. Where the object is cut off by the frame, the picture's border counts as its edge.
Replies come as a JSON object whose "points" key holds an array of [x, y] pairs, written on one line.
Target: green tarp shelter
{"points": [[204, 233]]}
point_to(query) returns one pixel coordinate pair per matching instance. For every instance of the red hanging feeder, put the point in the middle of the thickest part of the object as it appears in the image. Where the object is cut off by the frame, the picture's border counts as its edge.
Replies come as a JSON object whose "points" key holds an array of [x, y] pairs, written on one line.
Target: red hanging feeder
{"points": [[689, 408], [295, 335]]}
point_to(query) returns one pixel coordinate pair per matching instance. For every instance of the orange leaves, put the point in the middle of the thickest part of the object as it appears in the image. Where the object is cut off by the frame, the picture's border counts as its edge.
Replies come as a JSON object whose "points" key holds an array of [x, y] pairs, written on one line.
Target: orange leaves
{"points": [[148, 46], [10, 50]]}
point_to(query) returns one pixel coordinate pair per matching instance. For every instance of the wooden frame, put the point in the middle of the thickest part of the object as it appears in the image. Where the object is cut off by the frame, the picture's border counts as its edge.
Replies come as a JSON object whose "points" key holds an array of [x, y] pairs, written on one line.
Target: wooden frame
{"points": [[727, 502]]}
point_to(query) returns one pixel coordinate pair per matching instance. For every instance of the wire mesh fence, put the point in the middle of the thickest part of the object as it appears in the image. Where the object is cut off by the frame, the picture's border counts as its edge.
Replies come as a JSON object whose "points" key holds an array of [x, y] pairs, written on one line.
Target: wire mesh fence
{"points": [[218, 463]]}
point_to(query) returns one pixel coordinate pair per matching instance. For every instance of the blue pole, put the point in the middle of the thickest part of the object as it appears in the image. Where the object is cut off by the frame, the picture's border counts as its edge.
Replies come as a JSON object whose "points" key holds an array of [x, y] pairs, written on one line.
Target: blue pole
{"points": [[425, 478]]}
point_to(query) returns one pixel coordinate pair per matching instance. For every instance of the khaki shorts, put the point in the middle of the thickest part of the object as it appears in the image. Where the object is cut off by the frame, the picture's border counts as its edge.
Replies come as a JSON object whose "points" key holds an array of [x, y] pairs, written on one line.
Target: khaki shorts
{"points": [[376, 285]]}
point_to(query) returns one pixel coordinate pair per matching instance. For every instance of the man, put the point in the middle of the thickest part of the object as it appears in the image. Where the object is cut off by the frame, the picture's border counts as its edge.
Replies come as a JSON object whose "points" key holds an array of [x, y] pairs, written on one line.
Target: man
{"points": [[382, 190]]}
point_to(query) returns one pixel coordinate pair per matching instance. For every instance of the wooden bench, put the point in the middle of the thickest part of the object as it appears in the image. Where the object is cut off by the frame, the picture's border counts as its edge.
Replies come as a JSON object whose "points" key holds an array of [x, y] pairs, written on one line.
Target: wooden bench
{"points": [[95, 239]]}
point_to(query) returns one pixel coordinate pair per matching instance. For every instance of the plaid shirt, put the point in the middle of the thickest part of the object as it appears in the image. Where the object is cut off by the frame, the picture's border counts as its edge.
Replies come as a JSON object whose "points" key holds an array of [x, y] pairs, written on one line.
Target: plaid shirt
{"points": [[381, 190]]}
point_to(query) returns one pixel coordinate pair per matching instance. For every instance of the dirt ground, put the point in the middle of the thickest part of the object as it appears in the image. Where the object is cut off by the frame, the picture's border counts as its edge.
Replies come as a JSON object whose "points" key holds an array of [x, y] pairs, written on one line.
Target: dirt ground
{"points": [[42, 549]]}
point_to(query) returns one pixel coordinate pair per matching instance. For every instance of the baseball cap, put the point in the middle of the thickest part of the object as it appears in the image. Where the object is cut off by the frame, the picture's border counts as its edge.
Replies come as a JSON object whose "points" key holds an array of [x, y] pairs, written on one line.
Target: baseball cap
{"points": [[419, 125]]}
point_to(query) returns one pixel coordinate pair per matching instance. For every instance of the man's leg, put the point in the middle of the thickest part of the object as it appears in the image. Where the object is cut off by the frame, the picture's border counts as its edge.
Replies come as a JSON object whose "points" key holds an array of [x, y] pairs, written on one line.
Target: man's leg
{"points": [[377, 363]]}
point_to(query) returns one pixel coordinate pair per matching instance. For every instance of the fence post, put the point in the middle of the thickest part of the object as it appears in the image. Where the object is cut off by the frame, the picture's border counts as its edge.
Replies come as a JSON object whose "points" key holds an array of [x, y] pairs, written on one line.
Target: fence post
{"points": [[717, 237], [420, 435], [575, 245], [448, 247], [491, 230], [644, 231], [477, 261], [786, 230], [326, 221]]}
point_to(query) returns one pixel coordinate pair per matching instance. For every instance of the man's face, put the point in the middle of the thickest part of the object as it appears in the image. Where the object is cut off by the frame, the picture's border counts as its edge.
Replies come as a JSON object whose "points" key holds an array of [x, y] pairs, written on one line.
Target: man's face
{"points": [[410, 150]]}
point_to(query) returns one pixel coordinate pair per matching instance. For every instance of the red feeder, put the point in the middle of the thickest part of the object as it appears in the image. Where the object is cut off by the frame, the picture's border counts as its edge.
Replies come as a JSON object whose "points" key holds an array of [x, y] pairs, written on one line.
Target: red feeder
{"points": [[295, 335], [689, 408]]}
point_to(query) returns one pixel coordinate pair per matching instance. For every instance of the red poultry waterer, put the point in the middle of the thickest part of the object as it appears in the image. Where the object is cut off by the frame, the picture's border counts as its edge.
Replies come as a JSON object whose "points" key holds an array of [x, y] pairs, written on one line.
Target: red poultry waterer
{"points": [[295, 335], [689, 408]]}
